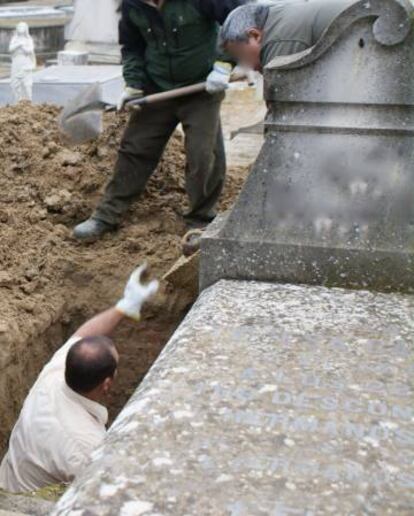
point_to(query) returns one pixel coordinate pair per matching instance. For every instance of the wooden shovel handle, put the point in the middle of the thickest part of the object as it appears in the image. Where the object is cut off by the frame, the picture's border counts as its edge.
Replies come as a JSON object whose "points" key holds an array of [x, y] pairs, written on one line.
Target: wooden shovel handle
{"points": [[178, 92], [168, 95]]}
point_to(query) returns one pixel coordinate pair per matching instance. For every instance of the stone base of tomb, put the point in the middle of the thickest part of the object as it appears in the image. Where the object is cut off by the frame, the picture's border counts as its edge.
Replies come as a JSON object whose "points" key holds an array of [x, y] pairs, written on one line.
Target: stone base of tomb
{"points": [[269, 399]]}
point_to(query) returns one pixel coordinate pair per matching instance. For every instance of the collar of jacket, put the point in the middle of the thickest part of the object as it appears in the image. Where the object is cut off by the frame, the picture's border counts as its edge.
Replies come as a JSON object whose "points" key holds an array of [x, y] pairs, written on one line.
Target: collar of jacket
{"points": [[152, 3], [95, 409]]}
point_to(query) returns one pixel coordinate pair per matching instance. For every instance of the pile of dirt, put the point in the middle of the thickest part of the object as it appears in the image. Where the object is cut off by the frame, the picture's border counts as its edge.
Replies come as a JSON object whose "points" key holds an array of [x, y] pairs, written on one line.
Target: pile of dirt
{"points": [[45, 189]]}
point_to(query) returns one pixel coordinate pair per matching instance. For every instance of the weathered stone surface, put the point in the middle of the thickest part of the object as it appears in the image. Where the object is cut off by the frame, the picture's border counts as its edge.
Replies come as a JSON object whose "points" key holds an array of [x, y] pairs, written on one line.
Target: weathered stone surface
{"points": [[18, 504], [268, 400], [330, 198]]}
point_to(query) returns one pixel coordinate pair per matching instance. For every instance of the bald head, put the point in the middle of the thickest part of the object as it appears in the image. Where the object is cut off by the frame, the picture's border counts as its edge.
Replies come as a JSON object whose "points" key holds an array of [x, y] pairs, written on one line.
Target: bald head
{"points": [[89, 363]]}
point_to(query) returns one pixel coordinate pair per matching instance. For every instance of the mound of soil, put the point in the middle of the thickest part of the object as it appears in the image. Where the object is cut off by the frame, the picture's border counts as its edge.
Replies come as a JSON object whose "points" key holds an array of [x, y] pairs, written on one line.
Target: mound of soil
{"points": [[46, 276]]}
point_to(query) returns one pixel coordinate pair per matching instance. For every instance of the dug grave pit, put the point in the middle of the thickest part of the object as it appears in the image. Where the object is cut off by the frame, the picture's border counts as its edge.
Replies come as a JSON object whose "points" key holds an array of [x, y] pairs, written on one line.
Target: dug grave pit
{"points": [[50, 283]]}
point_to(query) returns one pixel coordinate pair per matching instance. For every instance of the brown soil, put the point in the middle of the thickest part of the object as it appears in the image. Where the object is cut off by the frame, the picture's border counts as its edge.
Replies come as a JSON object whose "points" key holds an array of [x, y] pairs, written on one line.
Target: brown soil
{"points": [[47, 278]]}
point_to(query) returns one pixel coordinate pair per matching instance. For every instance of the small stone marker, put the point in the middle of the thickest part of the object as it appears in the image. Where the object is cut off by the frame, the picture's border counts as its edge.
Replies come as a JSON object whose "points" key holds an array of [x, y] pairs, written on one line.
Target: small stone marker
{"points": [[72, 58]]}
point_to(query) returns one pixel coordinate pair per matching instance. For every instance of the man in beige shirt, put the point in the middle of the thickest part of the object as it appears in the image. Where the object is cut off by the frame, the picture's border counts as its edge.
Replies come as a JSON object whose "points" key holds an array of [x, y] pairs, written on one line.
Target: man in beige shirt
{"points": [[62, 419]]}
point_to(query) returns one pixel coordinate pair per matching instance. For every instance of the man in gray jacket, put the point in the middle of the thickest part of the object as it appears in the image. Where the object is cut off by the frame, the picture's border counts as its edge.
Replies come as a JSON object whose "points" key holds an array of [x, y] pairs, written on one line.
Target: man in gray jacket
{"points": [[256, 33]]}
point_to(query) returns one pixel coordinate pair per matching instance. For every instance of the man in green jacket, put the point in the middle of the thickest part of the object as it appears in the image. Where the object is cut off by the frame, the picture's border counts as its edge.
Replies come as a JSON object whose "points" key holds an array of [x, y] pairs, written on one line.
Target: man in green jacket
{"points": [[167, 44], [257, 33]]}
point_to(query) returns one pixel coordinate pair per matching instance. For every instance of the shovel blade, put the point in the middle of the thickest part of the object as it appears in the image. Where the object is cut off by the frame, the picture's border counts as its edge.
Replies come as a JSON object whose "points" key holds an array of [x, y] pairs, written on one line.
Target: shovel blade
{"points": [[82, 128], [81, 119]]}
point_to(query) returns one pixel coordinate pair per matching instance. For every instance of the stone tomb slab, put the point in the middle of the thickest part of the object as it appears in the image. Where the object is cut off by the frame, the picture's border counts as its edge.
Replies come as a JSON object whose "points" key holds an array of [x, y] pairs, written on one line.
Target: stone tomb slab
{"points": [[268, 400], [58, 84]]}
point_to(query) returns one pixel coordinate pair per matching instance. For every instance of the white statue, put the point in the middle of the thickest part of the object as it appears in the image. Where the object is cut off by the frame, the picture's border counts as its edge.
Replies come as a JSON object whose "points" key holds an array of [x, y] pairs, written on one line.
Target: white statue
{"points": [[23, 63]]}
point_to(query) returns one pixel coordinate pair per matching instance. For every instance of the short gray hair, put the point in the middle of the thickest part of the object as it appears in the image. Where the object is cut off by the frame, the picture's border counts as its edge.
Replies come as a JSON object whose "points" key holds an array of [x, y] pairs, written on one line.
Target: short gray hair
{"points": [[241, 20]]}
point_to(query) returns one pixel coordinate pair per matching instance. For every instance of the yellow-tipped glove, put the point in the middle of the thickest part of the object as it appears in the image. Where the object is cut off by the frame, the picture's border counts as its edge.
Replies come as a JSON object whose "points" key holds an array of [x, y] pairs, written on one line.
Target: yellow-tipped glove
{"points": [[219, 78], [136, 293], [128, 94]]}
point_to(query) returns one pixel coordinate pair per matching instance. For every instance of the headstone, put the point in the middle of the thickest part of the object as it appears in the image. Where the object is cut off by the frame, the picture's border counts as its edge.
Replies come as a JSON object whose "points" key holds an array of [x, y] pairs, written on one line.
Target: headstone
{"points": [[72, 58], [268, 400], [59, 84], [330, 198]]}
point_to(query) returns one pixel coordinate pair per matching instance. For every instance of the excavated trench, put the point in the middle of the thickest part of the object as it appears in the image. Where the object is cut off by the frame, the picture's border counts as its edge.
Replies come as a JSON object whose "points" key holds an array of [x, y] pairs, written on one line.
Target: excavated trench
{"points": [[22, 359], [49, 283]]}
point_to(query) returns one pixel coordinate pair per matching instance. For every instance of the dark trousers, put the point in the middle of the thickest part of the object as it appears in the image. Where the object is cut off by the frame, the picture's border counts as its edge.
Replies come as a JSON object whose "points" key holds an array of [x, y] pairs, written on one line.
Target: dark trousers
{"points": [[143, 143]]}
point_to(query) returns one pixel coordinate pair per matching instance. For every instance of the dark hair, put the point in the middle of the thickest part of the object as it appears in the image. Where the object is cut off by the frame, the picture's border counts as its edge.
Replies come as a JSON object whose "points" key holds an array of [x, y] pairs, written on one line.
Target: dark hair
{"points": [[89, 362]]}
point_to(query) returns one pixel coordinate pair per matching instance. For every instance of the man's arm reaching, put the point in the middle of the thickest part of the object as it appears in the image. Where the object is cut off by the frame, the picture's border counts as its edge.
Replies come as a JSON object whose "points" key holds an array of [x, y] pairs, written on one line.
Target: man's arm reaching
{"points": [[218, 10], [104, 323], [135, 295]]}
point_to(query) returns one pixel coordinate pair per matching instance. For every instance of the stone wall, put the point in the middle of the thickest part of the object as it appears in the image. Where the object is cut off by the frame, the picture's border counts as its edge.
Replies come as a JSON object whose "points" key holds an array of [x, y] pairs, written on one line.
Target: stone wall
{"points": [[24, 349]]}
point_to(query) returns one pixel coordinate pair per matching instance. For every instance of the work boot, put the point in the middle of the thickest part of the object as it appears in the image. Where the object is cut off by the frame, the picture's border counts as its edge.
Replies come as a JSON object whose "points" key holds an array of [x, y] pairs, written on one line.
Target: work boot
{"points": [[92, 229], [191, 242]]}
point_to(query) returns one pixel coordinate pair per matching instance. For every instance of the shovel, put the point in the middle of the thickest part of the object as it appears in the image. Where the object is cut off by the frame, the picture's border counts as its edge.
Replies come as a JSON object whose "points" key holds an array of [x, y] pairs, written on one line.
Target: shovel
{"points": [[81, 119]]}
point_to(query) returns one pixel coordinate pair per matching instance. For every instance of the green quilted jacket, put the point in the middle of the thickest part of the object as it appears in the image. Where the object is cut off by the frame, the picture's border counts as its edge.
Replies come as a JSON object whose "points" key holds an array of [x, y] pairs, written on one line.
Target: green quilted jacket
{"points": [[171, 47]]}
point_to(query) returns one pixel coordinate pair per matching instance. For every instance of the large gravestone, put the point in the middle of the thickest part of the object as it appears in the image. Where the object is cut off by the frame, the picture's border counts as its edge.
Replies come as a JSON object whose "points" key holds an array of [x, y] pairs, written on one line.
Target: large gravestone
{"points": [[330, 198]]}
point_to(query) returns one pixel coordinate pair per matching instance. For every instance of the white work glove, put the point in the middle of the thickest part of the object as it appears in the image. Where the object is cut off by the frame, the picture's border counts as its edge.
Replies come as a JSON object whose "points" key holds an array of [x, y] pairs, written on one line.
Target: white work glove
{"points": [[127, 94], [219, 78], [136, 293]]}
